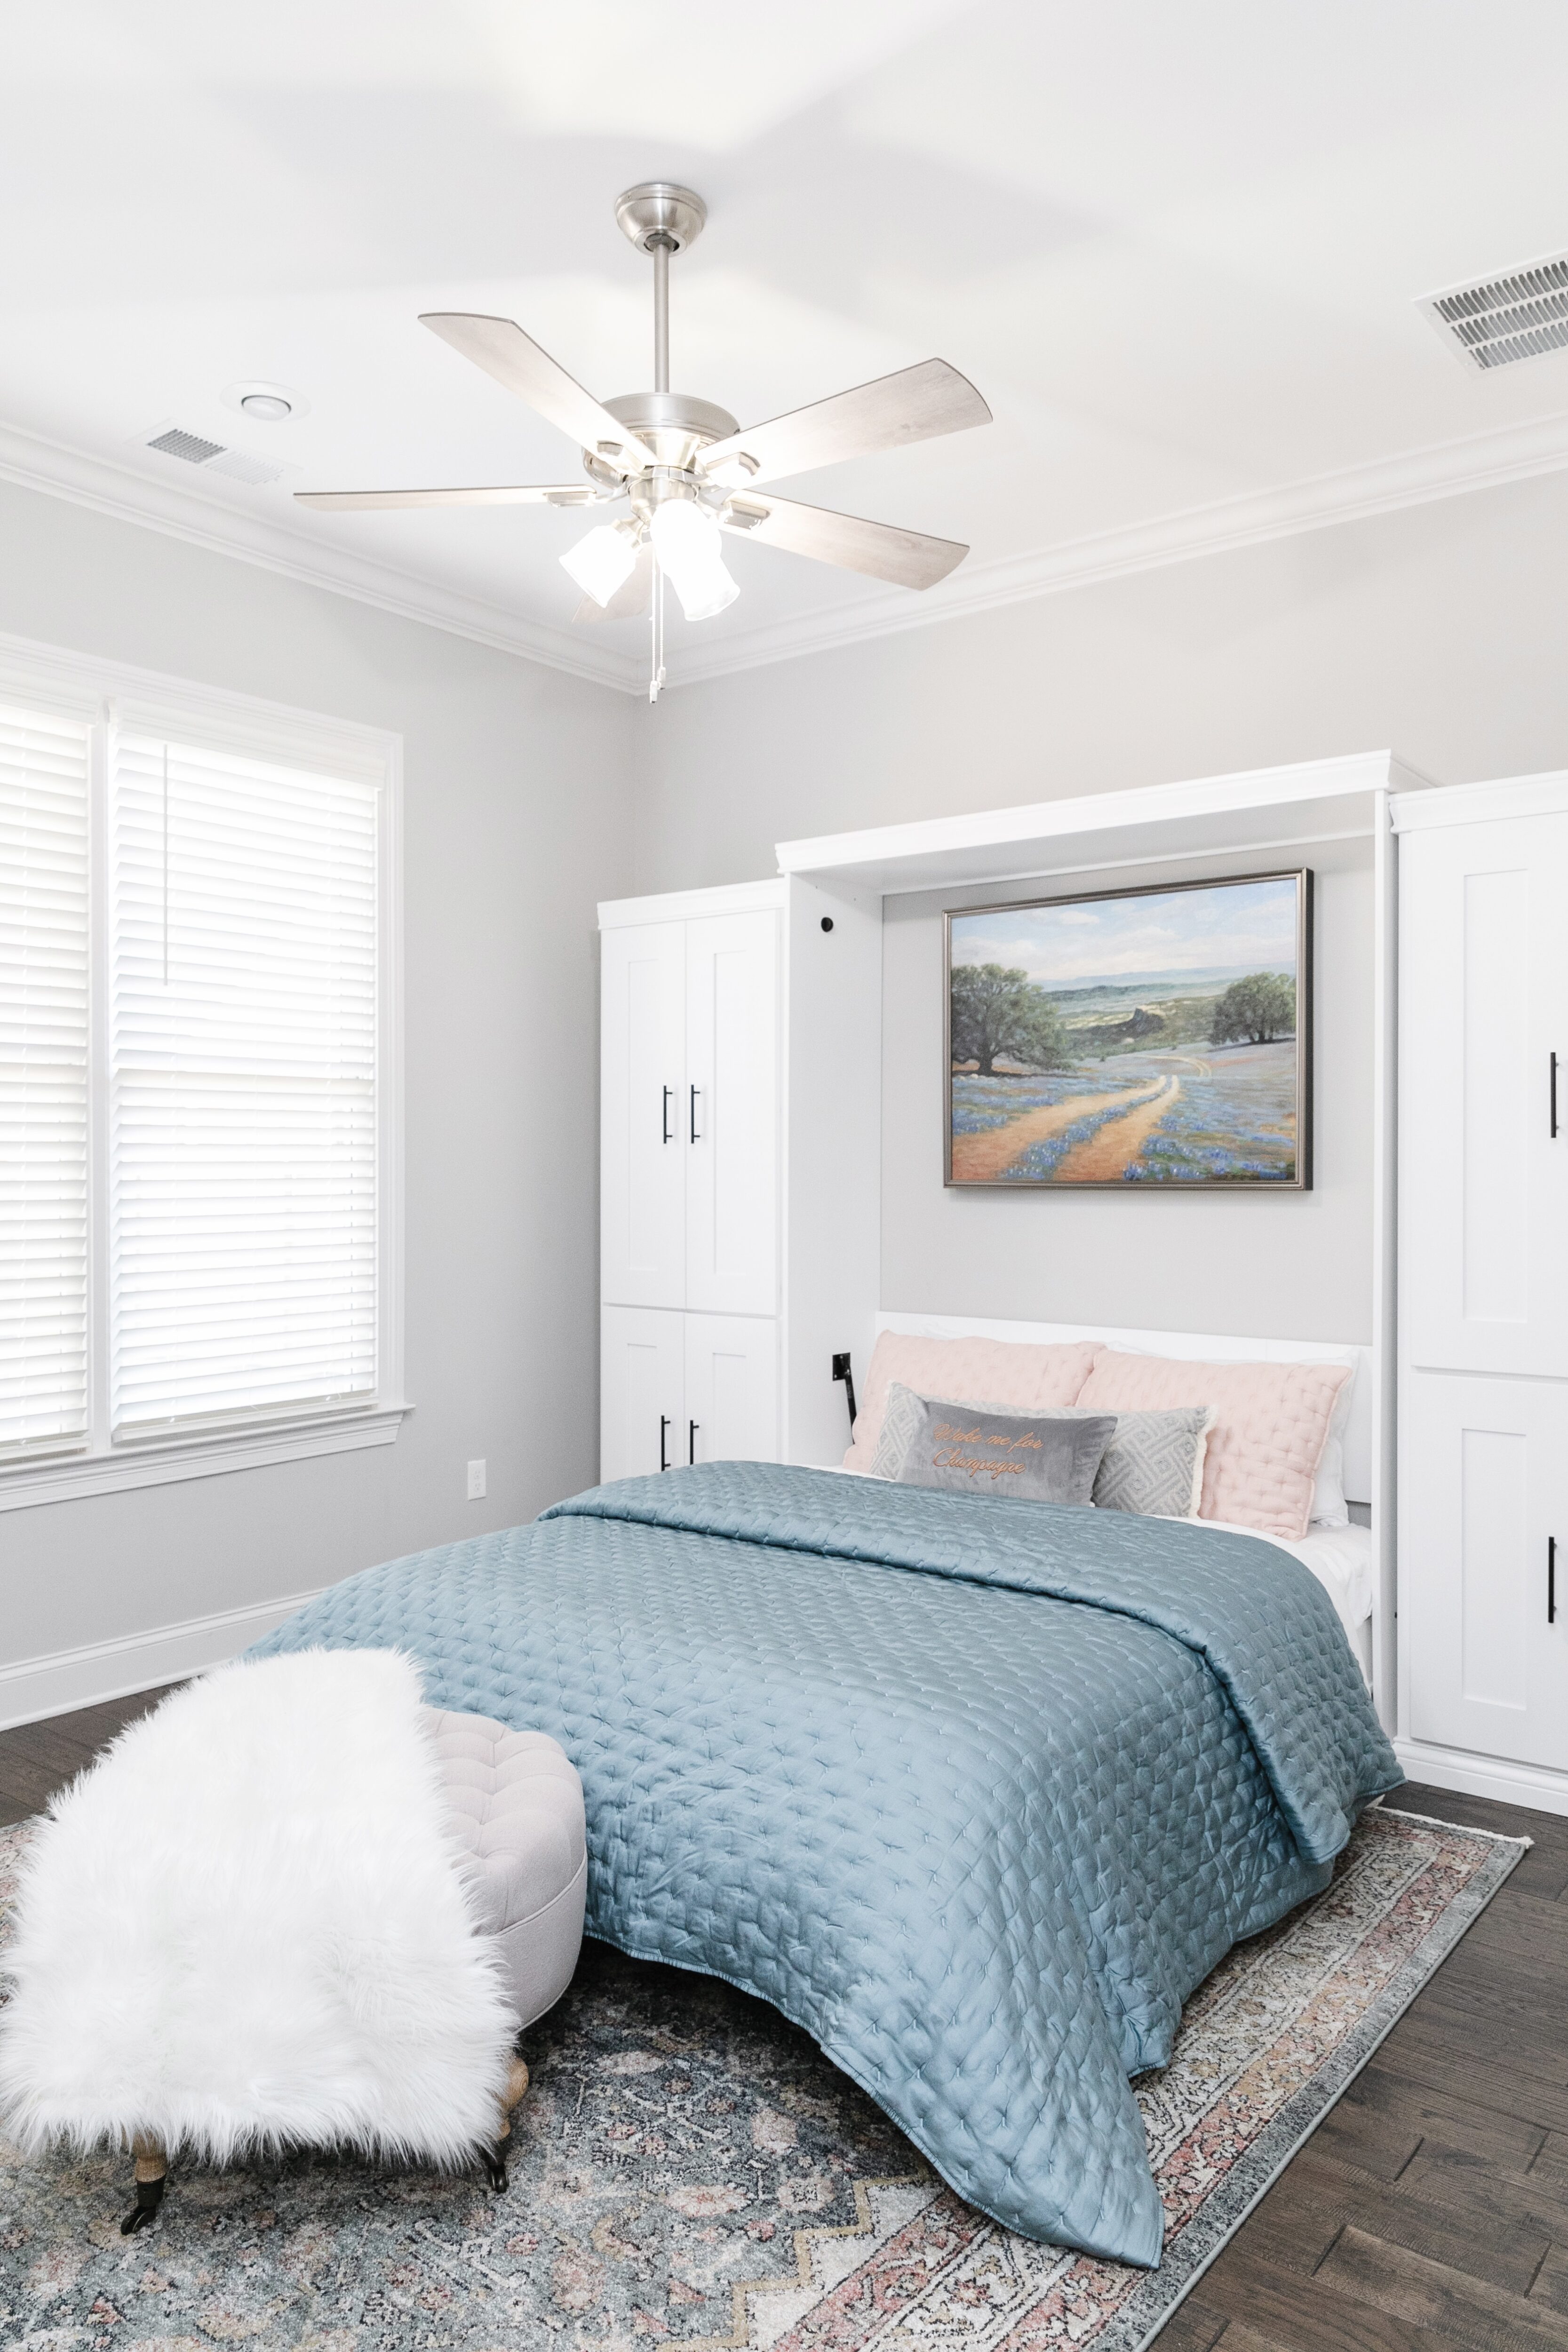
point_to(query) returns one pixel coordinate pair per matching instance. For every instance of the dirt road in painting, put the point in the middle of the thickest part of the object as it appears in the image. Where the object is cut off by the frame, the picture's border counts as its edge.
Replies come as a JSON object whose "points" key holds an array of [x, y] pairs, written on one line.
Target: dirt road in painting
{"points": [[1106, 1156], [981, 1159]]}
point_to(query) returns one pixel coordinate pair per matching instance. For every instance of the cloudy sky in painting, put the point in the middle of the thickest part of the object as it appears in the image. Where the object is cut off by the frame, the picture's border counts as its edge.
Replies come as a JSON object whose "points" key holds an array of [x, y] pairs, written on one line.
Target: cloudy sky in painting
{"points": [[1222, 928]]}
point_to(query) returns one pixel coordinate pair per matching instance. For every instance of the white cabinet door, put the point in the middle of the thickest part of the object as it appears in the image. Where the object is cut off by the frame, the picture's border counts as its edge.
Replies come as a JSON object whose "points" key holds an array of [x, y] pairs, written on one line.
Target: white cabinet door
{"points": [[732, 1389], [1484, 1531], [1483, 1008], [641, 1389], [642, 1200], [731, 1113]]}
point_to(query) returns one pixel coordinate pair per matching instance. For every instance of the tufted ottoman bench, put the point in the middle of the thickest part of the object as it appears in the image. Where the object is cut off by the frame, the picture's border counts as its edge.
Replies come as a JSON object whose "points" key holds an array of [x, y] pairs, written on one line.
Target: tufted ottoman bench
{"points": [[516, 1806]]}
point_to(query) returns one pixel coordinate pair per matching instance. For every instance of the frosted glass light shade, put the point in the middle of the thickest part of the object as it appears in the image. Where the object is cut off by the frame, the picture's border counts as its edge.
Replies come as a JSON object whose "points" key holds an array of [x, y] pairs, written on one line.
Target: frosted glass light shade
{"points": [[686, 545], [602, 563]]}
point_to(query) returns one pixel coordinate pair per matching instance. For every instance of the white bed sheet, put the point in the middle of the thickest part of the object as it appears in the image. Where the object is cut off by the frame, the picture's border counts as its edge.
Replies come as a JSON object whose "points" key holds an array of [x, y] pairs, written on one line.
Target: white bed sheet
{"points": [[1341, 1559]]}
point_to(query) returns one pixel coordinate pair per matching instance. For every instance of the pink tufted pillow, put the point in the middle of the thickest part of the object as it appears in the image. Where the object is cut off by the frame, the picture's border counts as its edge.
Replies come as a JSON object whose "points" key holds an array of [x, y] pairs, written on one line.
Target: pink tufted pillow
{"points": [[1268, 1437], [967, 1371]]}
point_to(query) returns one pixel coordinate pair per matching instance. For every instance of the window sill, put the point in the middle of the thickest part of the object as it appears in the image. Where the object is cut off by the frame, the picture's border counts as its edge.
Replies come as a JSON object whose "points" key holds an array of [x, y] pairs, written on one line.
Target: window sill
{"points": [[65, 1476]]}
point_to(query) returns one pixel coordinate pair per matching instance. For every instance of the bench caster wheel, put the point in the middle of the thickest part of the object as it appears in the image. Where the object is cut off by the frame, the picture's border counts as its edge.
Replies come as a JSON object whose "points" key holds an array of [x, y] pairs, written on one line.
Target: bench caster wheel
{"points": [[494, 2158]]}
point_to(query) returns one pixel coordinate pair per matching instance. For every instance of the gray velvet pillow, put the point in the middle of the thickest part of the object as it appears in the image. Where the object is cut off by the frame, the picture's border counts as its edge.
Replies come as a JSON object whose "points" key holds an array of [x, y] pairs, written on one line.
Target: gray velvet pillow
{"points": [[1037, 1457]]}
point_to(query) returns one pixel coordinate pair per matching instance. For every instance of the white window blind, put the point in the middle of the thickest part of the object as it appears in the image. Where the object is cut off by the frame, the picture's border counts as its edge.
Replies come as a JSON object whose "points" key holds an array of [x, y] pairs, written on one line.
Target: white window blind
{"points": [[44, 1040], [242, 1113]]}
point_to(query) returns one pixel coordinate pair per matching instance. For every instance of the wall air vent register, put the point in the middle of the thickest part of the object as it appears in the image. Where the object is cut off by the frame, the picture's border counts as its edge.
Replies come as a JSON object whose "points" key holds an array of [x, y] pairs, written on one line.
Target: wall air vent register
{"points": [[1521, 315]]}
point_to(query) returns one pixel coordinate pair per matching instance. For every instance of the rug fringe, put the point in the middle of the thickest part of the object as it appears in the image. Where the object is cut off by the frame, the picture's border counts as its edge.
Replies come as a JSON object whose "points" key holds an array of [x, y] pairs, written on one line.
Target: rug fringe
{"points": [[1460, 1829]]}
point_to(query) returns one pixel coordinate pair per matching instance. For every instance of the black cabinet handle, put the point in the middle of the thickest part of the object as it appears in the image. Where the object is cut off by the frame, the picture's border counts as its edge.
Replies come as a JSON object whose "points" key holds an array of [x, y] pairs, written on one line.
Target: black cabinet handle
{"points": [[1554, 1097], [1552, 1580], [663, 1425], [668, 1093], [691, 1429], [695, 1136]]}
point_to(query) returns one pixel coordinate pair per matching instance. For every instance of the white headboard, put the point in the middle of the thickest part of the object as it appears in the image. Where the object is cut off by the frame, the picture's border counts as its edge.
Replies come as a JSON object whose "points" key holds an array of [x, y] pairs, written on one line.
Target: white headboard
{"points": [[1217, 1349]]}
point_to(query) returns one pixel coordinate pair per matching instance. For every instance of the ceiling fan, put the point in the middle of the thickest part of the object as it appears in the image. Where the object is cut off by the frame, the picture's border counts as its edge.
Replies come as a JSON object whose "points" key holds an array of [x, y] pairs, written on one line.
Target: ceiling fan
{"points": [[686, 470]]}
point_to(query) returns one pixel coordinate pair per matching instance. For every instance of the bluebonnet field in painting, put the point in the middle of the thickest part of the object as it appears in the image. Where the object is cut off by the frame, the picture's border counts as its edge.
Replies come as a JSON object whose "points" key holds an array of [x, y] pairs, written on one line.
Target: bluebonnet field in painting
{"points": [[1150, 1039]]}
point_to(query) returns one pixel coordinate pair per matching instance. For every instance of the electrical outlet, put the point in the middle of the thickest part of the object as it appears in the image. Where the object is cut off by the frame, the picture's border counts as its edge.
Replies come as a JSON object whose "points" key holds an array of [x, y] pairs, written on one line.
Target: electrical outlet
{"points": [[476, 1481]]}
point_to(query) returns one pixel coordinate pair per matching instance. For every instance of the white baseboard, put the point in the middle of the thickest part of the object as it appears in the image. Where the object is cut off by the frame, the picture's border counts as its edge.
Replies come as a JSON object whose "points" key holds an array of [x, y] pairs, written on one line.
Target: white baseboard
{"points": [[1483, 1776], [32, 1688]]}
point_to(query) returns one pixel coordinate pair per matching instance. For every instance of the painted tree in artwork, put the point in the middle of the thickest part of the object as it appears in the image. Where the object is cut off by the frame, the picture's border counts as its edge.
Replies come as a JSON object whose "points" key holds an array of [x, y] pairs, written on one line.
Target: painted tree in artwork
{"points": [[1256, 1009], [1000, 1013]]}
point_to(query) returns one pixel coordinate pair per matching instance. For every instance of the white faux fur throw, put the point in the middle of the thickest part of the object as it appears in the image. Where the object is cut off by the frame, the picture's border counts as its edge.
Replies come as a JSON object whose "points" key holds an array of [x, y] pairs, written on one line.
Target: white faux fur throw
{"points": [[246, 1927]]}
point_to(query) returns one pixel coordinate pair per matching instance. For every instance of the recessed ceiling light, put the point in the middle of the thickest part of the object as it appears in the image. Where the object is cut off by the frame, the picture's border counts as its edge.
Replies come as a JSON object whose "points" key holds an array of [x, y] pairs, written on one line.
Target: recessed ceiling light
{"points": [[265, 404]]}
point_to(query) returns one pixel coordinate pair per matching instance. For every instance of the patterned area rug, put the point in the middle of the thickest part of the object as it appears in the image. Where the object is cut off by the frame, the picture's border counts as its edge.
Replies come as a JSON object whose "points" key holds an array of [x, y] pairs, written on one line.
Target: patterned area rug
{"points": [[688, 2169]]}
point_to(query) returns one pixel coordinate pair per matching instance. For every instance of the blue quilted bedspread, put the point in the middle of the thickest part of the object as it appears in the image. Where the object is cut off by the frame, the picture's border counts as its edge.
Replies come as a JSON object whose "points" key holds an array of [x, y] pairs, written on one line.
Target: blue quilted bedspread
{"points": [[976, 1791]]}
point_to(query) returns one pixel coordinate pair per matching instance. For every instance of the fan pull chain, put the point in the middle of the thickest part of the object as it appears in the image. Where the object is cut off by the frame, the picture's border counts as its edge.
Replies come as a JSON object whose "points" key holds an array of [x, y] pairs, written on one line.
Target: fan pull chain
{"points": [[656, 632]]}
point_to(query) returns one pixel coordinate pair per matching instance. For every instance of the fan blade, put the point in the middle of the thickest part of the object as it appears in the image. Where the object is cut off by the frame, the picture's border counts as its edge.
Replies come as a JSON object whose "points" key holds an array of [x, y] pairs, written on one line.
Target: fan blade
{"points": [[634, 595], [547, 494], [514, 359], [910, 559], [916, 404]]}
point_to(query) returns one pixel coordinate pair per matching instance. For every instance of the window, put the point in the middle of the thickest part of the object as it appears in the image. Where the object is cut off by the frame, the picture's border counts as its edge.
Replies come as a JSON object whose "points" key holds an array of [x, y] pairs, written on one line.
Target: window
{"points": [[198, 1148], [44, 783]]}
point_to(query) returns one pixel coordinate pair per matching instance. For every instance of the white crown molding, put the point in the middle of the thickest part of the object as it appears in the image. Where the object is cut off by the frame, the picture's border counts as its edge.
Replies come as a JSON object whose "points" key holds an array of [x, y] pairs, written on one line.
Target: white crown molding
{"points": [[686, 906], [183, 513], [1544, 795], [1416, 478]]}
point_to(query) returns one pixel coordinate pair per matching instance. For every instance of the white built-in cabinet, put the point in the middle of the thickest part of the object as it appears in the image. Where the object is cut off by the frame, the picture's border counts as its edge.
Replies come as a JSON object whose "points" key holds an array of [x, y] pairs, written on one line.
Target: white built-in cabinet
{"points": [[1483, 1258], [737, 1253], [689, 1114], [686, 1388]]}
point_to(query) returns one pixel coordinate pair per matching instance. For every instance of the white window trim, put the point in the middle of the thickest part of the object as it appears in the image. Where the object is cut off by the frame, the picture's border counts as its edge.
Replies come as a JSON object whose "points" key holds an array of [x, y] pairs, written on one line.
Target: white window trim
{"points": [[99, 693]]}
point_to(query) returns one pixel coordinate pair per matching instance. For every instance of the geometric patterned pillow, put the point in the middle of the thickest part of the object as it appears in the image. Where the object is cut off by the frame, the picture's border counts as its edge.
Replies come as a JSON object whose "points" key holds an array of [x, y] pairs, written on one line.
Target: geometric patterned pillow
{"points": [[1154, 1463]]}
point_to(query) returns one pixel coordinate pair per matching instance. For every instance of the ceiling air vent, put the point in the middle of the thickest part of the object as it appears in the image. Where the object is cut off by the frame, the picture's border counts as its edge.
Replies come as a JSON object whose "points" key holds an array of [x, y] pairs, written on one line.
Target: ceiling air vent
{"points": [[1520, 316], [188, 446], [194, 450]]}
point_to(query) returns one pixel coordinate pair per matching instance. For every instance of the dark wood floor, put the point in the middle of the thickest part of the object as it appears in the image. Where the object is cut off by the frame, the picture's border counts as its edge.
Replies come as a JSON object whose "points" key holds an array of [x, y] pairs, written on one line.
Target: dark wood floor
{"points": [[1430, 2208], [36, 1759]]}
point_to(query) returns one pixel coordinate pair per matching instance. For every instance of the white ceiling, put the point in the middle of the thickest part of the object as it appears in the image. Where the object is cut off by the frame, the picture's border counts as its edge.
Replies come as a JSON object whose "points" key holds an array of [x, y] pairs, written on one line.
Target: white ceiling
{"points": [[1176, 246]]}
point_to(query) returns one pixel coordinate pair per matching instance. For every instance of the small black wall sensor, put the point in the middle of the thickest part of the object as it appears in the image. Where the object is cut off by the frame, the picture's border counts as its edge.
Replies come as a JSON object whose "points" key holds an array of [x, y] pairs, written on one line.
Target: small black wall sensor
{"points": [[827, 922]]}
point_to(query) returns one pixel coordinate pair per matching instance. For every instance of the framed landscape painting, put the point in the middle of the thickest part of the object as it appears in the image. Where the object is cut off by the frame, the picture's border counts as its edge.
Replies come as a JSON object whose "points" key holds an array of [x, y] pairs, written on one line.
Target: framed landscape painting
{"points": [[1159, 1038]]}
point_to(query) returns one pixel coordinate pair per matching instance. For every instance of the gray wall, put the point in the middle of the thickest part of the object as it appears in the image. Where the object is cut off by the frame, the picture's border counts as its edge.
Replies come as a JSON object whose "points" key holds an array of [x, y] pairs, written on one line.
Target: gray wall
{"points": [[1436, 631], [516, 808]]}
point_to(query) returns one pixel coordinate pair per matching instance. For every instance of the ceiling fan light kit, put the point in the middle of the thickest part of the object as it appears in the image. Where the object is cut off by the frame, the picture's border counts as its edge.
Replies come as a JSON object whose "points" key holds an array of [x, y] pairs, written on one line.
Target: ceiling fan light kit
{"points": [[685, 468], [603, 562], [686, 545]]}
